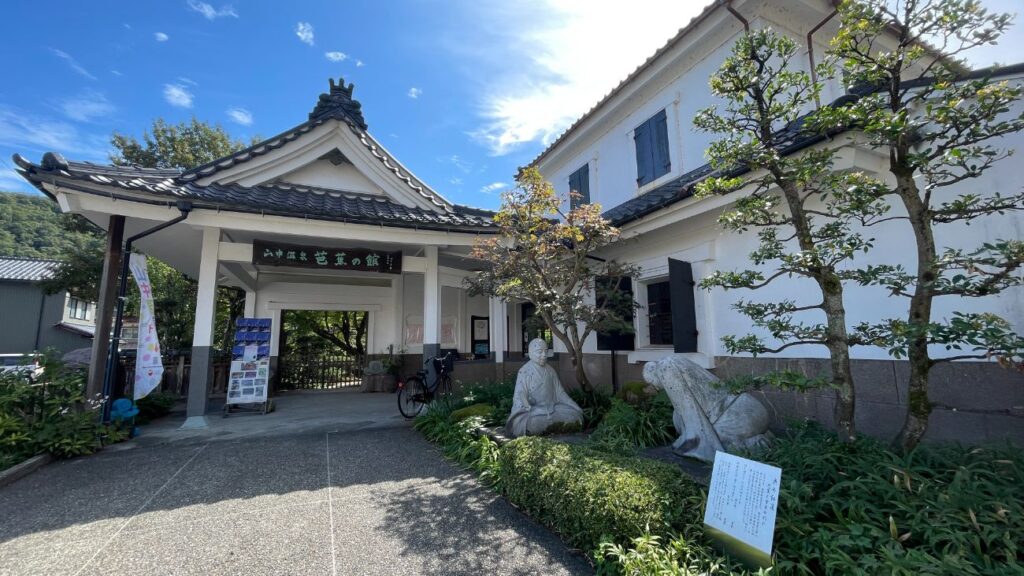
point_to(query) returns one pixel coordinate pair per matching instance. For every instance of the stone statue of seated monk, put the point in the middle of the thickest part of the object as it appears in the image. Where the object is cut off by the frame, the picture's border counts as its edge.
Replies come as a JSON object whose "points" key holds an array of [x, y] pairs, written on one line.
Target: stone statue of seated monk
{"points": [[707, 418], [540, 401]]}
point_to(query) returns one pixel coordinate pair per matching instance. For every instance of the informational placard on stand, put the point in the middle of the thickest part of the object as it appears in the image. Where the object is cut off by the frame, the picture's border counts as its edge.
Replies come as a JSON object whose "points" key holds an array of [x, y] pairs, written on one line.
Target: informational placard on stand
{"points": [[249, 377], [742, 502]]}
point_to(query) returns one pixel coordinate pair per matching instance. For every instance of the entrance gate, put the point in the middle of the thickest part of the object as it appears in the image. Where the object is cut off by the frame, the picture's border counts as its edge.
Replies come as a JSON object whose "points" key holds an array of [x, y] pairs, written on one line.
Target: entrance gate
{"points": [[319, 371]]}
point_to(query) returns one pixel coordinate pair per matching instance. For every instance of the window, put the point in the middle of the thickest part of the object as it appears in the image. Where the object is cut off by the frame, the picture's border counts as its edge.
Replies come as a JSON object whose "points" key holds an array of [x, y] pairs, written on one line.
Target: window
{"points": [[579, 182], [78, 309], [623, 301], [659, 313], [652, 157]]}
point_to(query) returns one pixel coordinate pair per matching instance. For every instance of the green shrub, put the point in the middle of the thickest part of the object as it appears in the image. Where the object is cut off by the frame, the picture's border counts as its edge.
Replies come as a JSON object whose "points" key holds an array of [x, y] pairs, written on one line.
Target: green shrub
{"points": [[586, 495], [646, 425], [480, 410], [155, 405], [647, 556], [50, 415], [497, 394], [636, 392], [595, 405]]}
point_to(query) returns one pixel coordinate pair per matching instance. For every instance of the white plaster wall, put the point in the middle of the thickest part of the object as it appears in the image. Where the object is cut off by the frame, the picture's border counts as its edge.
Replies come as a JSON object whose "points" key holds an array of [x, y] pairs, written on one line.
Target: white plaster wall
{"points": [[682, 91], [324, 174], [272, 298]]}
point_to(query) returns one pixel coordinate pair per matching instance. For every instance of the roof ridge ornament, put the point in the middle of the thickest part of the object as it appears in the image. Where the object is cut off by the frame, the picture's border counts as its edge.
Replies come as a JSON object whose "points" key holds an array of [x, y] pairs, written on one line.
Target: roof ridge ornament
{"points": [[339, 104]]}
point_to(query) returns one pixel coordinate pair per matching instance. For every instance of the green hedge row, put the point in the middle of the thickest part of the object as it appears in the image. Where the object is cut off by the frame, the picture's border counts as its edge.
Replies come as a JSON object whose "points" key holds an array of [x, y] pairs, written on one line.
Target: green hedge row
{"points": [[589, 496]]}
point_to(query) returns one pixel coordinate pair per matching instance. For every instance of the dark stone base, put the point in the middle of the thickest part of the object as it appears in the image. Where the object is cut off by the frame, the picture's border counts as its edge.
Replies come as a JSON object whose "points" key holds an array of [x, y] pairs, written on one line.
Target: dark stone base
{"points": [[199, 381]]}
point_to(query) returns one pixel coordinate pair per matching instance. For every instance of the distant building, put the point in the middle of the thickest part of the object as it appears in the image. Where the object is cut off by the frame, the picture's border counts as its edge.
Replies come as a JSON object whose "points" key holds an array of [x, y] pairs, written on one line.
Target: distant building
{"points": [[32, 320]]}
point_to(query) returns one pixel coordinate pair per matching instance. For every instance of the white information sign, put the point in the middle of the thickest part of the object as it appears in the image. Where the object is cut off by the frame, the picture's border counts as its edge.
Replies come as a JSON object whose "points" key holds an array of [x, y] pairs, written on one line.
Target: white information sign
{"points": [[742, 502], [247, 381]]}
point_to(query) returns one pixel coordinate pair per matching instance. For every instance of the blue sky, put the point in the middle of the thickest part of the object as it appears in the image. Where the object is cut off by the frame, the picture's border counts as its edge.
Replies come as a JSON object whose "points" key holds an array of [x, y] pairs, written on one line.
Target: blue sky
{"points": [[461, 92]]}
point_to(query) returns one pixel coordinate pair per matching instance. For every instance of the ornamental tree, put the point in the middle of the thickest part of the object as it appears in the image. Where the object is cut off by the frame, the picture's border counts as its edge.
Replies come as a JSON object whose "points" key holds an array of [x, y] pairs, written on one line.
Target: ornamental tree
{"points": [[938, 127], [544, 255], [804, 213]]}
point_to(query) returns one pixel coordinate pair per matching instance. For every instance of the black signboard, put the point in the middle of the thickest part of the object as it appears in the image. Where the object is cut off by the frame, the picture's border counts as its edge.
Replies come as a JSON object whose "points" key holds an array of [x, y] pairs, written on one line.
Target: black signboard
{"points": [[280, 254]]}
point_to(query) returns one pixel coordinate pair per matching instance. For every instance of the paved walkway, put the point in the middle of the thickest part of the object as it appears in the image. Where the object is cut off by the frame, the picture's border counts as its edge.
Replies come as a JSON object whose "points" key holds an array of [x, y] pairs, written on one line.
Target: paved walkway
{"points": [[378, 501]]}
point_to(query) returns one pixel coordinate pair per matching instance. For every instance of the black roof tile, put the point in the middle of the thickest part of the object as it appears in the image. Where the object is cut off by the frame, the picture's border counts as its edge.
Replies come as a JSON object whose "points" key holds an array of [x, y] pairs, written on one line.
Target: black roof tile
{"points": [[281, 198]]}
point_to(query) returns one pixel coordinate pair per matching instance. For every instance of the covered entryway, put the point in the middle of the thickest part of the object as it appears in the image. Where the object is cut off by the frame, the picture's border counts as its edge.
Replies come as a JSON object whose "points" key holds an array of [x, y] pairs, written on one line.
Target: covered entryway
{"points": [[322, 349], [318, 218]]}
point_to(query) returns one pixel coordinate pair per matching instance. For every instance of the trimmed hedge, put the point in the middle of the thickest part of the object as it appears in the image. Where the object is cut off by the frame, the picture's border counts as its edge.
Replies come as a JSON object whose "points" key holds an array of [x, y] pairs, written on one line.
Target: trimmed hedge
{"points": [[589, 496]]}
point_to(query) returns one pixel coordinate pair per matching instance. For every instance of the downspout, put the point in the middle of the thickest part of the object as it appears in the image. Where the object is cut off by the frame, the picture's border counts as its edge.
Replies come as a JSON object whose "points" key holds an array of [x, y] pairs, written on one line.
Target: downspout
{"points": [[115, 337], [810, 54], [746, 25], [39, 321]]}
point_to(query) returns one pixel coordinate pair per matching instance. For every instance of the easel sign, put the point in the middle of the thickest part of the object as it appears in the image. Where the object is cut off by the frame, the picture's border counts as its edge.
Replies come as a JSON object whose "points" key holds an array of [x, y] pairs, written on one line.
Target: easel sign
{"points": [[249, 378], [742, 502]]}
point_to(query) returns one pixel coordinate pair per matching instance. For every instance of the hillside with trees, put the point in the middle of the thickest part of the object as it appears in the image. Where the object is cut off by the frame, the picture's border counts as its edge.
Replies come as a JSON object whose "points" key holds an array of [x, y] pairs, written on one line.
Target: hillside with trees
{"points": [[32, 225]]}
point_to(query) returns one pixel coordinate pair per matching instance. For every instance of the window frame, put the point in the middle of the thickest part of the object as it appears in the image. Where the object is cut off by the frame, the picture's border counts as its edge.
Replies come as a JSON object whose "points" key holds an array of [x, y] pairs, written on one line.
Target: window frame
{"points": [[585, 194], [652, 135]]}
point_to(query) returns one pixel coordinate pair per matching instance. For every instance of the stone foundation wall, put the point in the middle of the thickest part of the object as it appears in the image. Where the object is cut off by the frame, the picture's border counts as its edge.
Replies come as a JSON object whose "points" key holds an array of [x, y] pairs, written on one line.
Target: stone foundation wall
{"points": [[975, 402]]}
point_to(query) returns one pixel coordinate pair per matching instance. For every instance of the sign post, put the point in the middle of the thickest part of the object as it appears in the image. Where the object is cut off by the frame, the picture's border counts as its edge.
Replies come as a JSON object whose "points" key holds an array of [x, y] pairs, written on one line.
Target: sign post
{"points": [[742, 502]]}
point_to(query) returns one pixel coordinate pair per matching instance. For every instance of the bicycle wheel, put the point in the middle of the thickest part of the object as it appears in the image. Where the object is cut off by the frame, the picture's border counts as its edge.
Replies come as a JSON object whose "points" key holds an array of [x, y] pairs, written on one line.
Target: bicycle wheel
{"points": [[411, 397]]}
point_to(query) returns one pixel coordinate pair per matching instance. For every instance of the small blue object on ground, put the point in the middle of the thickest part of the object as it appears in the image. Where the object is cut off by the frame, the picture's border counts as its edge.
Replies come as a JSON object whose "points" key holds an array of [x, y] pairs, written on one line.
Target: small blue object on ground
{"points": [[123, 409]]}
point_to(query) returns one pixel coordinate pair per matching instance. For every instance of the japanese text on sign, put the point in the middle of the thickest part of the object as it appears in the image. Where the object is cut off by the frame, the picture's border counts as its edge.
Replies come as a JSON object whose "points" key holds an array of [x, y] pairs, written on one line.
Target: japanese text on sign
{"points": [[277, 254]]}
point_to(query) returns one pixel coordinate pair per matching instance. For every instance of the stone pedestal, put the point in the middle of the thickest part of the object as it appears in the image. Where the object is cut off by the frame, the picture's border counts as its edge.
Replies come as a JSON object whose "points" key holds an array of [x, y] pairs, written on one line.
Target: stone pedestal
{"points": [[379, 383]]}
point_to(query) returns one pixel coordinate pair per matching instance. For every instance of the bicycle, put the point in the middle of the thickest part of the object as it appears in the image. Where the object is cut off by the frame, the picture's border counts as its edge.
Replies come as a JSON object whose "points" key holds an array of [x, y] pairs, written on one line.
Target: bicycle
{"points": [[414, 393]]}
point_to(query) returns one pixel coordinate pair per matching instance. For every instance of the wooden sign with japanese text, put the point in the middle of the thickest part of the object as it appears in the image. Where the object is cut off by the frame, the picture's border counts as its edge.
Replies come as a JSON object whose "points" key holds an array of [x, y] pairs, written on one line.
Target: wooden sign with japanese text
{"points": [[742, 502], [362, 259]]}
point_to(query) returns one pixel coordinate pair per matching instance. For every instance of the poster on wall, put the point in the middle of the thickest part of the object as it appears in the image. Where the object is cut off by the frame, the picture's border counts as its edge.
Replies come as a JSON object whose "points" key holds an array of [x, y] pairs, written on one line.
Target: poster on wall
{"points": [[249, 377]]}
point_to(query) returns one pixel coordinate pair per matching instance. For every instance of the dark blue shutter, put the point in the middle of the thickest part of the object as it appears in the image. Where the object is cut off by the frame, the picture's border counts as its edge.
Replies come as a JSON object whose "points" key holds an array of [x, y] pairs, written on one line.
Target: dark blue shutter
{"points": [[662, 160], [644, 154], [684, 311], [574, 186], [584, 184]]}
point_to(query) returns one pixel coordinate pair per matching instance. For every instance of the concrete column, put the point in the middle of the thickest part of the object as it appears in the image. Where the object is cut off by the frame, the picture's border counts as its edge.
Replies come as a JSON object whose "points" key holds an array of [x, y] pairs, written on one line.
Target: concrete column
{"points": [[202, 334], [499, 328], [105, 305], [431, 304], [250, 304]]}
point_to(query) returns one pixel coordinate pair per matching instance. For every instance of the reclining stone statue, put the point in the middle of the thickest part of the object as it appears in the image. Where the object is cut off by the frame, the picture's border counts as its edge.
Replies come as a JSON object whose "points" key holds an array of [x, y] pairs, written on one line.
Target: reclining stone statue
{"points": [[707, 418], [540, 402]]}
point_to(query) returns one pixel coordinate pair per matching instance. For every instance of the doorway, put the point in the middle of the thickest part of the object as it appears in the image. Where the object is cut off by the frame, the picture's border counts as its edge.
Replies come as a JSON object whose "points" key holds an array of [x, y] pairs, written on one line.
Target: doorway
{"points": [[322, 349]]}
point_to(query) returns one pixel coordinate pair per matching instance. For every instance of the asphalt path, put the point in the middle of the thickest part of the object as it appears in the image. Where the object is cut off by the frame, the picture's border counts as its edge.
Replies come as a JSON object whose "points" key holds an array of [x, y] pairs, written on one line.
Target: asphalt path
{"points": [[310, 502]]}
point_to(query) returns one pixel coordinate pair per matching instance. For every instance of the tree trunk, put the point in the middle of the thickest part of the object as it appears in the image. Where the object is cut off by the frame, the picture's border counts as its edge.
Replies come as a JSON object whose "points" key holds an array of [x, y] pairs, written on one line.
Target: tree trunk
{"points": [[919, 407], [581, 374], [836, 337]]}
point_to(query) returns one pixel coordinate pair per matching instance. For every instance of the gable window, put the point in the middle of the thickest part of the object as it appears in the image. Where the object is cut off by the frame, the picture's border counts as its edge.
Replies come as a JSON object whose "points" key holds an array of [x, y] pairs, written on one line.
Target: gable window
{"points": [[78, 309], [579, 187], [652, 155]]}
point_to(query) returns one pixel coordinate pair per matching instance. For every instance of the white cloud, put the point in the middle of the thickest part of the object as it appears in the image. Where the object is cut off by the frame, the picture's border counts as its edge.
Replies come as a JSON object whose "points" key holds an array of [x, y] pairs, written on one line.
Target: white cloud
{"points": [[28, 133], [304, 30], [116, 73], [335, 56], [240, 116], [188, 81], [177, 95], [493, 187], [455, 181], [560, 68], [359, 64], [72, 63], [462, 164], [211, 13], [161, 37], [87, 106], [414, 93]]}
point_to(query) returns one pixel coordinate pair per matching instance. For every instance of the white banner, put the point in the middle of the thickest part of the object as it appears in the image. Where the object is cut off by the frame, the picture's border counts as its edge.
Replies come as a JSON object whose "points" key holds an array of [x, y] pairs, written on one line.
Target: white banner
{"points": [[149, 370]]}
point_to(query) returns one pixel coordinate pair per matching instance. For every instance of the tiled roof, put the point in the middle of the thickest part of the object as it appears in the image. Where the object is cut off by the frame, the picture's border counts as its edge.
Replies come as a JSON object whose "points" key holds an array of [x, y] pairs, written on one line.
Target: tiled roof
{"points": [[281, 199], [26, 269], [339, 105]]}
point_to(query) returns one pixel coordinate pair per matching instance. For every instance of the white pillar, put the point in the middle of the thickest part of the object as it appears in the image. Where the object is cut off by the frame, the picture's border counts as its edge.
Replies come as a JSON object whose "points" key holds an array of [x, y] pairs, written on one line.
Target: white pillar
{"points": [[250, 303], [431, 302], [499, 328], [202, 332]]}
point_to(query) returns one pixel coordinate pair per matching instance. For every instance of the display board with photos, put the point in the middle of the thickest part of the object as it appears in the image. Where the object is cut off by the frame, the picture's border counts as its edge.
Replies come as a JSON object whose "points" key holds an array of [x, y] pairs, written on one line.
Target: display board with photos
{"points": [[249, 378]]}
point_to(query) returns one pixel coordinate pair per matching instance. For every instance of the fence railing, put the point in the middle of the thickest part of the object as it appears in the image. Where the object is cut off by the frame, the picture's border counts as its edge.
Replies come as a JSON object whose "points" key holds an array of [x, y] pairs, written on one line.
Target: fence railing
{"points": [[177, 372], [319, 372]]}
